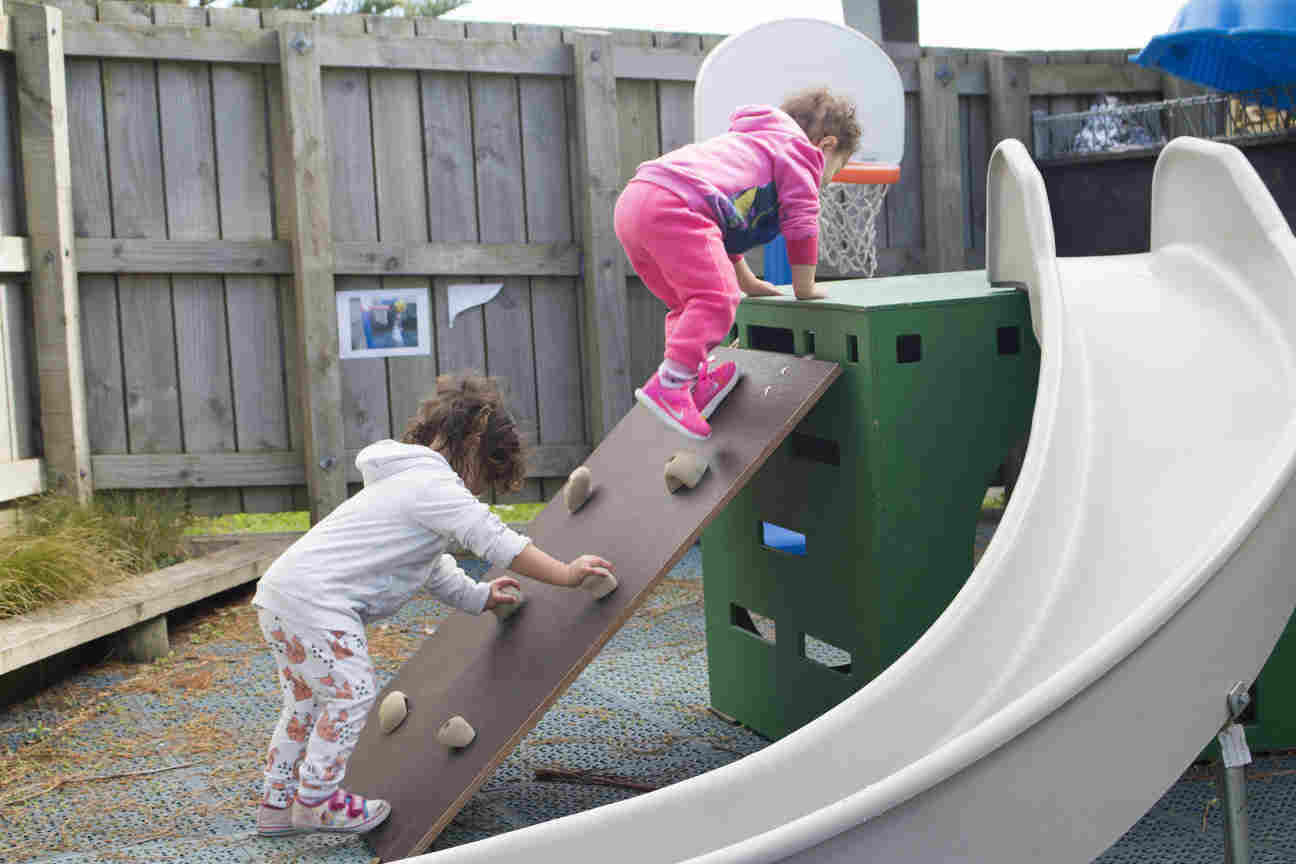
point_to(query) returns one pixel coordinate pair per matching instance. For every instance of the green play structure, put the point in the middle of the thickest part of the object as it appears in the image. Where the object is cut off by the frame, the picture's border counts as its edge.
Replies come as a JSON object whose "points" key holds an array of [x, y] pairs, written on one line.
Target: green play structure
{"points": [[883, 480]]}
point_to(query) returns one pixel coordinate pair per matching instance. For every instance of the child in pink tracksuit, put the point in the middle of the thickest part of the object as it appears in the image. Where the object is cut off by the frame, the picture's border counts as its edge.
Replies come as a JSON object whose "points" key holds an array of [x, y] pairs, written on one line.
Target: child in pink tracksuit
{"points": [[686, 218]]}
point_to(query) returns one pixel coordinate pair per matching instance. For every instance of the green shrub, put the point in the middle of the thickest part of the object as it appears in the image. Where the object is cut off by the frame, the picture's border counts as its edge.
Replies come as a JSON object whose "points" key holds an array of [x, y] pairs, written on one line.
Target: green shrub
{"points": [[62, 547]]}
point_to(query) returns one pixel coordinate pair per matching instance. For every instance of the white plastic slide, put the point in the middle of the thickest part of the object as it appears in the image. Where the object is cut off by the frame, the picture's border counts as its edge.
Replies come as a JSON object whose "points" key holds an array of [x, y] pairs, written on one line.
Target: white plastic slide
{"points": [[1146, 563]]}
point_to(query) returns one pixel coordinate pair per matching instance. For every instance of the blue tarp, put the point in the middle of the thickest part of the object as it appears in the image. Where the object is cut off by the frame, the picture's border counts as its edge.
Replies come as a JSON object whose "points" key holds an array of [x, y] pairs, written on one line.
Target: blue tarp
{"points": [[1232, 46]]}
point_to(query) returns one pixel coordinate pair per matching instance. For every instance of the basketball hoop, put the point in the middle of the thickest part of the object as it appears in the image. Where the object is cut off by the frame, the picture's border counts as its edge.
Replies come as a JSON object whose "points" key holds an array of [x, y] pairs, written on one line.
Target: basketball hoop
{"points": [[815, 53], [848, 209]]}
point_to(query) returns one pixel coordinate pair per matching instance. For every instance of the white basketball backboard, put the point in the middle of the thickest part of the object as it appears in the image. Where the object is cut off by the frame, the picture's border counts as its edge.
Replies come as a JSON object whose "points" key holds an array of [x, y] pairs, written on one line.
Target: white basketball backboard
{"points": [[768, 62]]}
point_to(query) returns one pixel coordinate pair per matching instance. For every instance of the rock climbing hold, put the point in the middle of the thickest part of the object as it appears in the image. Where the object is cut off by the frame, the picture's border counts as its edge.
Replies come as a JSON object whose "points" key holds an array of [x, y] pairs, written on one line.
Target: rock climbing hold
{"points": [[456, 732], [578, 488], [685, 468], [599, 584], [393, 711]]}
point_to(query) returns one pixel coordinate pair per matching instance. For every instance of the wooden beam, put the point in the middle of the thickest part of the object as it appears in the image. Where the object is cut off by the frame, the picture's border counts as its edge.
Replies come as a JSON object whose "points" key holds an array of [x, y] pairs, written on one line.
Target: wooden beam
{"points": [[47, 176], [1009, 79], [1068, 79], [22, 478], [110, 255], [15, 255], [447, 55], [267, 468], [29, 638], [606, 337], [459, 259], [635, 61], [97, 39], [942, 164], [312, 239]]}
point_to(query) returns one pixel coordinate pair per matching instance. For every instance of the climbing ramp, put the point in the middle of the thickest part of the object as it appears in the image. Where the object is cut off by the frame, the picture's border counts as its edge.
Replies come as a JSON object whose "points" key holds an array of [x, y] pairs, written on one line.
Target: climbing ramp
{"points": [[502, 676]]}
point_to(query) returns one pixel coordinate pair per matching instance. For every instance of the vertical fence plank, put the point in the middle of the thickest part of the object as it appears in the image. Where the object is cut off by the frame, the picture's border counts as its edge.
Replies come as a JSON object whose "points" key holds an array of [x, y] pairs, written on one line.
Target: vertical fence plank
{"points": [[312, 239], [16, 418], [244, 173], [904, 200], [192, 211], [575, 141], [639, 139], [978, 150], [139, 210], [502, 217], [281, 162], [546, 156], [1008, 80], [942, 160], [56, 302], [22, 421], [365, 412], [607, 363], [452, 197], [402, 206], [92, 217], [965, 169]]}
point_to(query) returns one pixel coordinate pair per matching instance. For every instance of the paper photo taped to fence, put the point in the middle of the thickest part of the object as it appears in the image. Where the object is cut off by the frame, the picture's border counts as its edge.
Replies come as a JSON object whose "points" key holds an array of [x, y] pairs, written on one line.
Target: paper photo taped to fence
{"points": [[384, 323]]}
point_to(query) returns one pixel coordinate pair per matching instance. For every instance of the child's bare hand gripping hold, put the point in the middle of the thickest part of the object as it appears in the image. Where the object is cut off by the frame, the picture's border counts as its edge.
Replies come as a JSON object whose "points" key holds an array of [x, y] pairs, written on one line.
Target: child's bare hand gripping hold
{"points": [[498, 594], [536, 564]]}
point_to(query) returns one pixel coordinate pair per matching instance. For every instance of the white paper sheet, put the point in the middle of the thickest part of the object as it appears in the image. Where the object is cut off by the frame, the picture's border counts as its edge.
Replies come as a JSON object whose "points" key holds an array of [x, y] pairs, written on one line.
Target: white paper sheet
{"points": [[463, 297]]}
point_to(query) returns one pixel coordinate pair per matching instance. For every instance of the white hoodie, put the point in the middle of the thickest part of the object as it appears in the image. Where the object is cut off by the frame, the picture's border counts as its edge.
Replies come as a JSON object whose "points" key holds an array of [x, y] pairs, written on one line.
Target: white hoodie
{"points": [[371, 554]]}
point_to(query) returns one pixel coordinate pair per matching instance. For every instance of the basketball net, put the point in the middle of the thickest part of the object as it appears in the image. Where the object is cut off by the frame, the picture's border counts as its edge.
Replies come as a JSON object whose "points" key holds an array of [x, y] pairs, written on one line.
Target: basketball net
{"points": [[848, 215]]}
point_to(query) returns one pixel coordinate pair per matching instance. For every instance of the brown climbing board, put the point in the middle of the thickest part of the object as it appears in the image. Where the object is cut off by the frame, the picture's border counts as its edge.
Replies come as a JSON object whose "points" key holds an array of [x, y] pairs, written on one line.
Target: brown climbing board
{"points": [[503, 676]]}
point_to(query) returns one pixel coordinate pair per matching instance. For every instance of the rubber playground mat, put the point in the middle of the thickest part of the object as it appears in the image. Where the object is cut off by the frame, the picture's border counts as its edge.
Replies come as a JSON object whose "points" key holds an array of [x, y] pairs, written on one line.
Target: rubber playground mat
{"points": [[160, 762]]}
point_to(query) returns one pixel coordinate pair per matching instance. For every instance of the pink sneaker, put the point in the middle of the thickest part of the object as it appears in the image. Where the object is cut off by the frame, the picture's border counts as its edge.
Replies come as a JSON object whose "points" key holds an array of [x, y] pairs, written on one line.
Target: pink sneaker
{"points": [[713, 386], [341, 812], [675, 408]]}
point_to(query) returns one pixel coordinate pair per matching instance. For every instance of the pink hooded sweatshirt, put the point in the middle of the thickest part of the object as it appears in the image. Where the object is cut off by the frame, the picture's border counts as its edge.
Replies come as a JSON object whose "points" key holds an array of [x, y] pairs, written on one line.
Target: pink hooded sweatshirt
{"points": [[757, 180]]}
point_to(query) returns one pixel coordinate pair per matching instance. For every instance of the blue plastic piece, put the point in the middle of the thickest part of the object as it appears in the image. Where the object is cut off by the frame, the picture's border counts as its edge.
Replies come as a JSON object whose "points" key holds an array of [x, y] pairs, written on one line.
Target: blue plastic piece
{"points": [[777, 269], [1232, 46], [777, 537]]}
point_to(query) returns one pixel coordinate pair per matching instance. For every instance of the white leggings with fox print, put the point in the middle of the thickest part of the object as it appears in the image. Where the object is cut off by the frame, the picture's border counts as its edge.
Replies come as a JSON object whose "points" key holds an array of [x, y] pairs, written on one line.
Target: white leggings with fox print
{"points": [[327, 680]]}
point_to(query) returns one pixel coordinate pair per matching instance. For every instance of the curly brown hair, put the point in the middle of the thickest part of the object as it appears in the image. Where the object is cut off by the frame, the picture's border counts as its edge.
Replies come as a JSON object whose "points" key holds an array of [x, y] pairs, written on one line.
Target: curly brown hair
{"points": [[820, 112], [468, 422]]}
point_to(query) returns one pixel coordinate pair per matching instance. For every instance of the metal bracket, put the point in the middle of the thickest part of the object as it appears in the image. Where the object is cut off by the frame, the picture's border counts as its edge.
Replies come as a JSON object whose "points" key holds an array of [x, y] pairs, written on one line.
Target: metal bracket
{"points": [[327, 463], [300, 43], [1239, 697]]}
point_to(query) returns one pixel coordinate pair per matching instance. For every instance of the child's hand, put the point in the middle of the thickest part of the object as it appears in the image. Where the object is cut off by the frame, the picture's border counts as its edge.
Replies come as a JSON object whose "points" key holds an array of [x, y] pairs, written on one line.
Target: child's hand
{"points": [[497, 595], [586, 565], [760, 288], [816, 292]]}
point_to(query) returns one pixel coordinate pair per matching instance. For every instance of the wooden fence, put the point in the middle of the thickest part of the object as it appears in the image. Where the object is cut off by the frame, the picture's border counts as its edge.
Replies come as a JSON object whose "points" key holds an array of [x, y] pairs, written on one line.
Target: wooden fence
{"points": [[182, 190]]}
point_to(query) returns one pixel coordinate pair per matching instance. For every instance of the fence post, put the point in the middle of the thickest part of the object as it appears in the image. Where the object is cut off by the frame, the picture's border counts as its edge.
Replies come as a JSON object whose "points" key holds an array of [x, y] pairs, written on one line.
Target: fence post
{"points": [[320, 375], [942, 164], [606, 334], [1008, 77], [56, 303]]}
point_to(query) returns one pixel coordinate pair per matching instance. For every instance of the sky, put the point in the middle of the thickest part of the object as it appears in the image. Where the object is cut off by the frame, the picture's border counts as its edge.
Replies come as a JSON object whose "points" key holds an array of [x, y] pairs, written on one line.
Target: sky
{"points": [[1009, 25]]}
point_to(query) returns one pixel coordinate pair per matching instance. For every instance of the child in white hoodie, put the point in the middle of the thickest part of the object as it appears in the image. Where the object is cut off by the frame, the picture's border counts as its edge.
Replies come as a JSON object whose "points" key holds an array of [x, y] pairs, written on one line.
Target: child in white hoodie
{"points": [[364, 561]]}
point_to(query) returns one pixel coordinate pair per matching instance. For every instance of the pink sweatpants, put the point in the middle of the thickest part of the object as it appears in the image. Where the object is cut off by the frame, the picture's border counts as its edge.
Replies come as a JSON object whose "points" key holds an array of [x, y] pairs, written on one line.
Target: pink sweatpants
{"points": [[680, 256]]}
